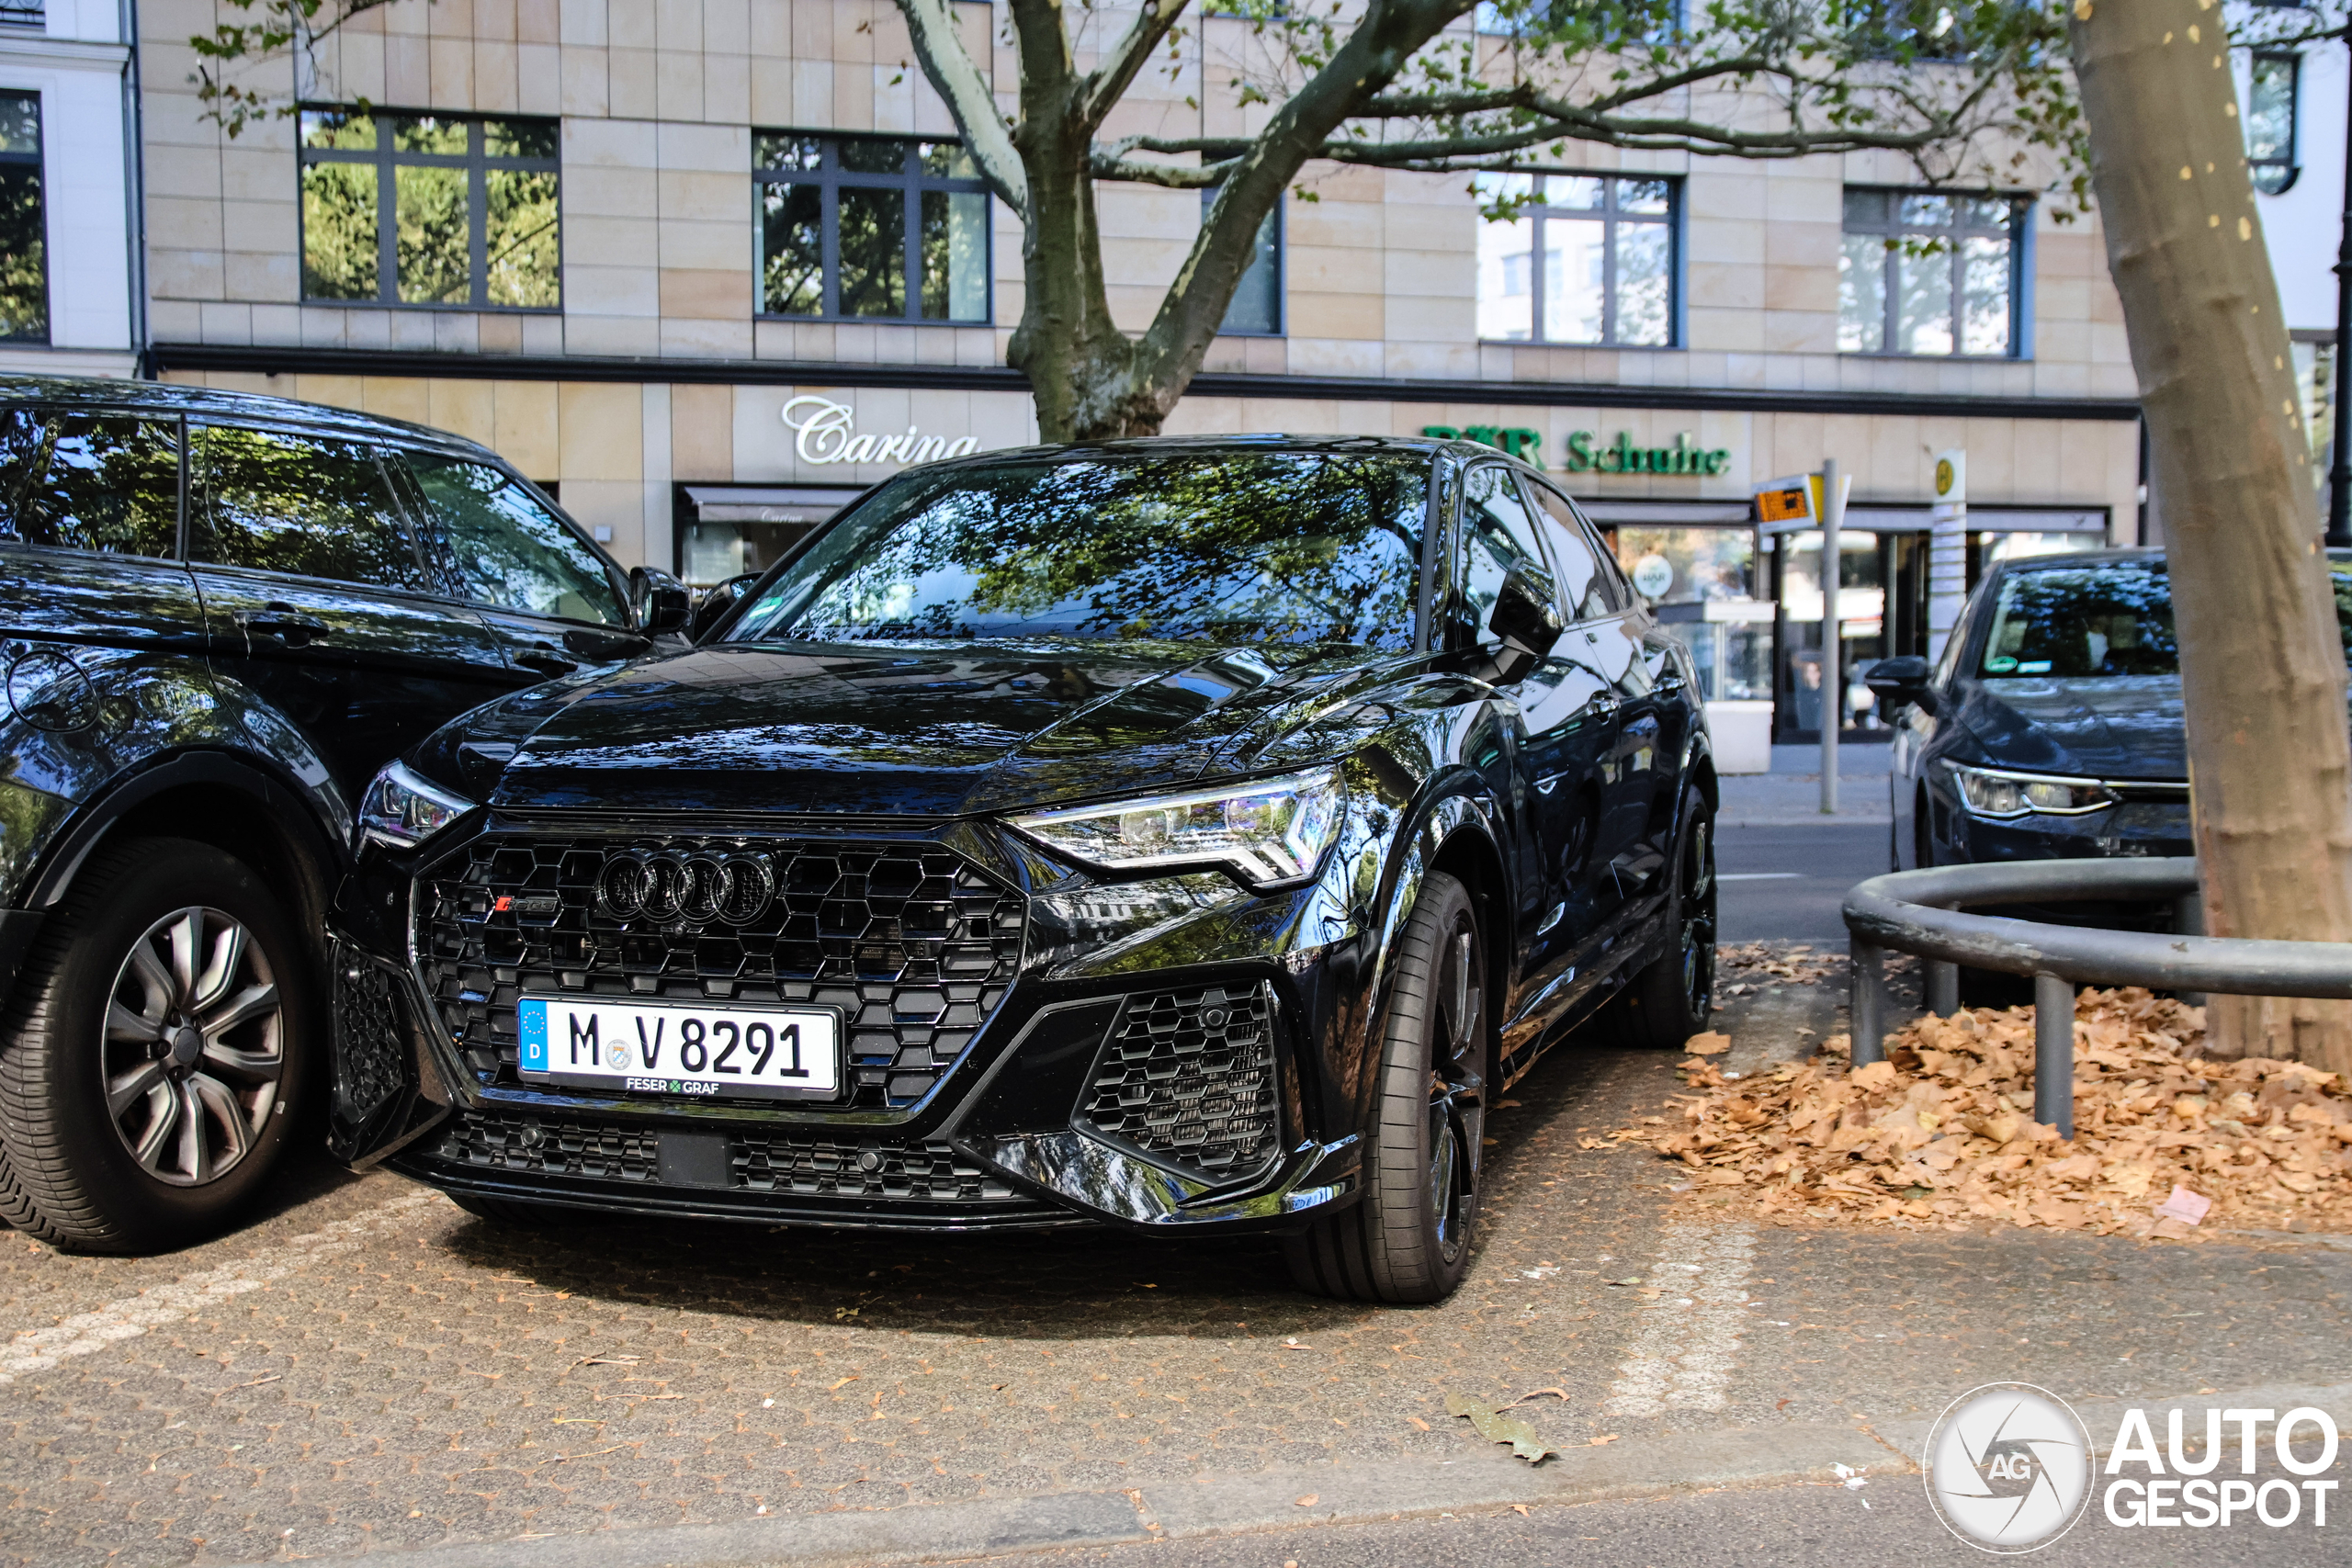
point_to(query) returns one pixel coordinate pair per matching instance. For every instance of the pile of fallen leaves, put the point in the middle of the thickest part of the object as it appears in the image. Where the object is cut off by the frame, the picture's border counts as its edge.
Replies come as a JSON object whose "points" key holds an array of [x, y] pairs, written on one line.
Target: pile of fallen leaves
{"points": [[1942, 1131]]}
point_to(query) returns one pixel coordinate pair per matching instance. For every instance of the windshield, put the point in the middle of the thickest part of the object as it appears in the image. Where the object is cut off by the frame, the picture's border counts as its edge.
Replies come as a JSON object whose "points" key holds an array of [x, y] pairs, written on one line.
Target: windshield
{"points": [[2111, 619], [1234, 547]]}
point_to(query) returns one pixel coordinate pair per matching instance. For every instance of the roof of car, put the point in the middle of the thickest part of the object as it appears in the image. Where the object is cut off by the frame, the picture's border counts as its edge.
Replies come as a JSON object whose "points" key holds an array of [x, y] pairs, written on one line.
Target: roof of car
{"points": [[96, 392], [1194, 446], [2079, 558]]}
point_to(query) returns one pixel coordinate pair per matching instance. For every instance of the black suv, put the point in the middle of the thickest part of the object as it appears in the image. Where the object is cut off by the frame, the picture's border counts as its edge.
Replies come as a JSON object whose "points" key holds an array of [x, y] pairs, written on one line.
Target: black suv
{"points": [[1175, 833], [219, 617]]}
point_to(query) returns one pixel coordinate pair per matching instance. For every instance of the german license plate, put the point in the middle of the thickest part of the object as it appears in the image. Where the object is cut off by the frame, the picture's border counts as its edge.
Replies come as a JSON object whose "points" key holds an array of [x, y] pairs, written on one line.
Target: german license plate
{"points": [[680, 1048]]}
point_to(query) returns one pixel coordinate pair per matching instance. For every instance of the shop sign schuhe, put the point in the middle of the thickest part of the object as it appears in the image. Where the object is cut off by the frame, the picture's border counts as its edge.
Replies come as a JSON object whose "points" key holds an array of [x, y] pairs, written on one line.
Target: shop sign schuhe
{"points": [[1622, 457]]}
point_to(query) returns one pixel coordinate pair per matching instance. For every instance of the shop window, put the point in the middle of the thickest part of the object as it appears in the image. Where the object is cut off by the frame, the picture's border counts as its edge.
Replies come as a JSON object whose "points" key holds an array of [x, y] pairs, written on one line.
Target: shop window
{"points": [[440, 212], [1931, 273], [1579, 259], [1255, 307], [869, 228], [23, 234], [2273, 95]]}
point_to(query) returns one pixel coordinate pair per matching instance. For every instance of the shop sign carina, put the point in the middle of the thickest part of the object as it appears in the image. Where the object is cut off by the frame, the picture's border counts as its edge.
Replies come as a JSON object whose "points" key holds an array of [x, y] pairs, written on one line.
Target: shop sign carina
{"points": [[826, 431]]}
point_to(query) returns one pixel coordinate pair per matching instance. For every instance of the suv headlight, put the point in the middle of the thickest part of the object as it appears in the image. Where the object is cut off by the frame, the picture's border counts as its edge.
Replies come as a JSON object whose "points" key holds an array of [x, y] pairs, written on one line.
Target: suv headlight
{"points": [[1992, 791], [402, 808], [1266, 832]]}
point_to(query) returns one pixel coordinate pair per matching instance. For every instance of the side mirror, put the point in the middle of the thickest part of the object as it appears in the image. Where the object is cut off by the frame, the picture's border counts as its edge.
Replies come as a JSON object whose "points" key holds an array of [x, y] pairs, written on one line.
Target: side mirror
{"points": [[1527, 612], [714, 603], [1897, 682], [660, 600]]}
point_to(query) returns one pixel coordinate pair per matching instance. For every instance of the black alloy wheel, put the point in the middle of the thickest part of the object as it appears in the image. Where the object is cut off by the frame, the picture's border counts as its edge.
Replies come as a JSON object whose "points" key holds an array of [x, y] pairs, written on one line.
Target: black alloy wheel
{"points": [[1671, 997], [158, 1053], [1407, 1238]]}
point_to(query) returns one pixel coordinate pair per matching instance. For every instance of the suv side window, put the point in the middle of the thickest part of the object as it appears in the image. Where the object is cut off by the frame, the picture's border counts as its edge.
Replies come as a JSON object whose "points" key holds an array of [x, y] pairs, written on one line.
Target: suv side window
{"points": [[510, 550], [306, 506], [1497, 536], [1586, 586], [81, 482]]}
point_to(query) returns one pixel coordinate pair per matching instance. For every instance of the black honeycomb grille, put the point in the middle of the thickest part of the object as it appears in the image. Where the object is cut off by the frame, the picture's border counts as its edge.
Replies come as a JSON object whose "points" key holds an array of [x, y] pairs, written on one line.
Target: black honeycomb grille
{"points": [[1190, 1075], [852, 1167], [911, 942], [370, 1049], [553, 1146]]}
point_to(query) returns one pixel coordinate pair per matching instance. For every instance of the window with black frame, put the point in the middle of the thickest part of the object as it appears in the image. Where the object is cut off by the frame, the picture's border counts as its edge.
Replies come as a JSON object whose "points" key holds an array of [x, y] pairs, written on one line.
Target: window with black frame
{"points": [[1576, 259], [24, 230], [2271, 104], [869, 228], [1930, 273], [441, 211]]}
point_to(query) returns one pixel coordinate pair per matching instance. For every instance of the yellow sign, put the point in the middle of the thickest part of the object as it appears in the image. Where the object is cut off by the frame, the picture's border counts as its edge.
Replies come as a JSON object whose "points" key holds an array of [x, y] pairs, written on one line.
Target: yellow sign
{"points": [[1794, 504]]}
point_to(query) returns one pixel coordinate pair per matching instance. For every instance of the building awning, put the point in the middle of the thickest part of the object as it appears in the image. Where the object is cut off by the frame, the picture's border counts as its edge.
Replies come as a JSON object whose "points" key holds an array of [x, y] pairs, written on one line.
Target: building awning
{"points": [[769, 504]]}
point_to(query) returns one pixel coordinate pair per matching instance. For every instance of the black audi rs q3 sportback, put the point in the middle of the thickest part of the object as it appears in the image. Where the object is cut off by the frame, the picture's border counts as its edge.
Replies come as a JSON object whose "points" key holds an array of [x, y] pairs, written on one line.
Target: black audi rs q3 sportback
{"points": [[1180, 834]]}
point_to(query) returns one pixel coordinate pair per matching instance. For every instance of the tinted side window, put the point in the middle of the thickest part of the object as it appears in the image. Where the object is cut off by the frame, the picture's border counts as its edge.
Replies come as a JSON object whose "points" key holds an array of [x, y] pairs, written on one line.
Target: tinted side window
{"points": [[77, 481], [510, 550], [307, 505], [1496, 536], [1584, 582]]}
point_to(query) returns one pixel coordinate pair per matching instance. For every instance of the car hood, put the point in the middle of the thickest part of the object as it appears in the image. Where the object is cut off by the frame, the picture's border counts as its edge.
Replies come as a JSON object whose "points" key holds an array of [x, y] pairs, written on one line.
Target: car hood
{"points": [[920, 732], [2125, 727]]}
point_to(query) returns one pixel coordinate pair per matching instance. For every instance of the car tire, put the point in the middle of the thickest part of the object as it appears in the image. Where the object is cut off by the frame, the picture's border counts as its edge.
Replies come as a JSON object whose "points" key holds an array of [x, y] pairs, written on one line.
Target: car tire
{"points": [[519, 1214], [1670, 998], [1408, 1240], [209, 1065]]}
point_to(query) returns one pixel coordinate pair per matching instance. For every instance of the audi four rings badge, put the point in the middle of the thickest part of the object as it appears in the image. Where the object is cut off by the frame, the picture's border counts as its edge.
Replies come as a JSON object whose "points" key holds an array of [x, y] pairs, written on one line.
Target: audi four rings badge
{"points": [[640, 885]]}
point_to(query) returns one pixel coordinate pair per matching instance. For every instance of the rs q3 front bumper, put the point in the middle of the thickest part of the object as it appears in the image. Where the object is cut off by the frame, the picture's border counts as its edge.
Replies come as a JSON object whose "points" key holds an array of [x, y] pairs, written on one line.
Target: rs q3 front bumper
{"points": [[1024, 1044]]}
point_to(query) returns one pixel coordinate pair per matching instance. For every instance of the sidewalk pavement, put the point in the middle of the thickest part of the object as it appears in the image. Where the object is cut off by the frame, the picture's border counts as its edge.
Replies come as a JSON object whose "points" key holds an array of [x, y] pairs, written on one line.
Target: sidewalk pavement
{"points": [[370, 1372]]}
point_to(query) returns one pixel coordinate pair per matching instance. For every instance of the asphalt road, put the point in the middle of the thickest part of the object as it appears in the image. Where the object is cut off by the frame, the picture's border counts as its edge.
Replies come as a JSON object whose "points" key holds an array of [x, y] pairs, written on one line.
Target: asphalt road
{"points": [[1787, 883]]}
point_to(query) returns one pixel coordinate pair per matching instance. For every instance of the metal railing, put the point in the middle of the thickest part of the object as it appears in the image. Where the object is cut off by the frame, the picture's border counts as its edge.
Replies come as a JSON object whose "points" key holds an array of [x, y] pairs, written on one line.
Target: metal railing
{"points": [[1923, 913]]}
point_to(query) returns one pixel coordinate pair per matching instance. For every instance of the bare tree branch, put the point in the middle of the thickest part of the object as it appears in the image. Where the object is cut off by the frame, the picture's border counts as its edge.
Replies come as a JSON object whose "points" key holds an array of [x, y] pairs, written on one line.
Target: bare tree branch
{"points": [[1111, 79], [950, 69]]}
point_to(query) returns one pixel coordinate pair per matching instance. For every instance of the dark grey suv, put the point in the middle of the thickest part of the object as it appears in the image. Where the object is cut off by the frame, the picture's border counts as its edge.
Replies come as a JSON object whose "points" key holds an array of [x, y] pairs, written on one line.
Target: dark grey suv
{"points": [[220, 616]]}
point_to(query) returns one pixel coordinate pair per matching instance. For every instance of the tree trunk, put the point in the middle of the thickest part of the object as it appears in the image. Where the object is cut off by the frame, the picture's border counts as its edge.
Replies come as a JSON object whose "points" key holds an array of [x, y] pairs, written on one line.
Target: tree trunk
{"points": [[2262, 663]]}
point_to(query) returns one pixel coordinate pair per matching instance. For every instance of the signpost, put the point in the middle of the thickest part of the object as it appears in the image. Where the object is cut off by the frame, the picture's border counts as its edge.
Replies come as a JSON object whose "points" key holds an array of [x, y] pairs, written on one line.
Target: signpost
{"points": [[1946, 549], [1786, 506]]}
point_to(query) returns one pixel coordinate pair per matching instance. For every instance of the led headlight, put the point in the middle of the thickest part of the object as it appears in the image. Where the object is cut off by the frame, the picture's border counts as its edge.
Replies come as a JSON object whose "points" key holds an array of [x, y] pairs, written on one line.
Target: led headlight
{"points": [[1266, 831], [402, 809], [1992, 791]]}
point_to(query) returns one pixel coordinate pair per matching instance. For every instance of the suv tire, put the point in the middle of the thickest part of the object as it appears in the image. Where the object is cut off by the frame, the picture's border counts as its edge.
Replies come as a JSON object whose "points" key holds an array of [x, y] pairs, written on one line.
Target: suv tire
{"points": [[171, 982], [1669, 1000], [1407, 1238]]}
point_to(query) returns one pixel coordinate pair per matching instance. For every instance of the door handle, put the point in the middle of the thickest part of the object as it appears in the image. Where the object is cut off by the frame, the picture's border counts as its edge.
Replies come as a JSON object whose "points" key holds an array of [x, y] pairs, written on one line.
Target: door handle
{"points": [[545, 663], [287, 624]]}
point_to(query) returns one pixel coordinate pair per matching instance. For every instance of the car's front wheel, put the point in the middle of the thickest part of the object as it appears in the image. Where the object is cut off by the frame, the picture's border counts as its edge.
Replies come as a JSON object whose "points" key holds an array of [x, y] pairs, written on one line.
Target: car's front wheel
{"points": [[1408, 1240], [158, 1053]]}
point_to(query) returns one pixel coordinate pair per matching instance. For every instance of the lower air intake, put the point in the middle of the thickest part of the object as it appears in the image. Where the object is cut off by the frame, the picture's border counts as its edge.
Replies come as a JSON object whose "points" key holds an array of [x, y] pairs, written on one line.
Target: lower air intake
{"points": [[1189, 1075]]}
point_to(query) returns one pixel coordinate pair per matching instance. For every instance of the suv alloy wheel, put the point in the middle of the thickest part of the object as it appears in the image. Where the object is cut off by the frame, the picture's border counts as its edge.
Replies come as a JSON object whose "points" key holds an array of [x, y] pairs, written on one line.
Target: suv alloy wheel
{"points": [[1408, 1238], [160, 1050]]}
